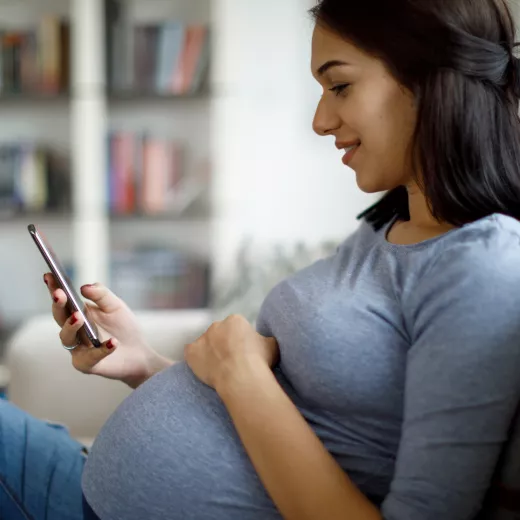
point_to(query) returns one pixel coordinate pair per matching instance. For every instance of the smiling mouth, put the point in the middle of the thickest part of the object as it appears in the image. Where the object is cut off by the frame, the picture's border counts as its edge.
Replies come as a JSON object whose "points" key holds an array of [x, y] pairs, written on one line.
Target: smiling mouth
{"points": [[350, 151]]}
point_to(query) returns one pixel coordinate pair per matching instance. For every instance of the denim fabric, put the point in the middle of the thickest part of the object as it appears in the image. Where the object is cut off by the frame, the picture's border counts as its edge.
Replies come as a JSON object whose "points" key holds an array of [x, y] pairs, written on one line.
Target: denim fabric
{"points": [[88, 514], [40, 469]]}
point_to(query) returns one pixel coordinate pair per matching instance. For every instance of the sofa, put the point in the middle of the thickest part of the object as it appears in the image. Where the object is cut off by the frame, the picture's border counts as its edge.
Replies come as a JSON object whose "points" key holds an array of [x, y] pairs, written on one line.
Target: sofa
{"points": [[43, 382]]}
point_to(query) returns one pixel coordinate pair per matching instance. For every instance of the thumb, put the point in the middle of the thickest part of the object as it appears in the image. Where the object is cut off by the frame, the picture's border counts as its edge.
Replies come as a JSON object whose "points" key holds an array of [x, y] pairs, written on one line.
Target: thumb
{"points": [[103, 297], [85, 359]]}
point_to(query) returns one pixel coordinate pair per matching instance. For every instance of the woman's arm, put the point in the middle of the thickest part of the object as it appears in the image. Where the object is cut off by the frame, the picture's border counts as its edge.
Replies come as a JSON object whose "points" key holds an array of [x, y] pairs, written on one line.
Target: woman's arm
{"points": [[154, 364], [302, 478]]}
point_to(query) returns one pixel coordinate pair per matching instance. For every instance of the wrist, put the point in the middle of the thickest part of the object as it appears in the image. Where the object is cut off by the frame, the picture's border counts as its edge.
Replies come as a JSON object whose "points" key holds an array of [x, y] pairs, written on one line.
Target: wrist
{"points": [[152, 364]]}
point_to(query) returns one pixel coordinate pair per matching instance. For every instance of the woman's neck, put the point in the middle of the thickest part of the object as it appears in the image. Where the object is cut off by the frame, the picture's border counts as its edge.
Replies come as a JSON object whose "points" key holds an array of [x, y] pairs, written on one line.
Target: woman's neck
{"points": [[422, 224], [420, 214]]}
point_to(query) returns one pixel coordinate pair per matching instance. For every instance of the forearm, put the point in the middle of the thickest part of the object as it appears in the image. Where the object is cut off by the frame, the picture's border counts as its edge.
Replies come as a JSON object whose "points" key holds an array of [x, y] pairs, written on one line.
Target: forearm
{"points": [[302, 478]]}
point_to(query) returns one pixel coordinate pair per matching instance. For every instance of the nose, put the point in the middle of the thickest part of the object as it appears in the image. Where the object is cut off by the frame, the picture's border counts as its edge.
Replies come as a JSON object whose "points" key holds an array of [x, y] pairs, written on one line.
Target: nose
{"points": [[325, 120]]}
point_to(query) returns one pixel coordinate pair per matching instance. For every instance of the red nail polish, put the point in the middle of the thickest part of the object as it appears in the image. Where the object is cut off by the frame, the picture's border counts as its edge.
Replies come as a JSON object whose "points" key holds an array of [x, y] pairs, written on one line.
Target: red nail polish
{"points": [[73, 319], [110, 345], [55, 299]]}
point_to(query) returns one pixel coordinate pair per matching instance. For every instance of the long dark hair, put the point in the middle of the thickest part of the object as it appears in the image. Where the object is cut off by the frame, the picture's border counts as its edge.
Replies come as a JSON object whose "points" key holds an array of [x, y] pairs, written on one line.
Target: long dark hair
{"points": [[456, 56]]}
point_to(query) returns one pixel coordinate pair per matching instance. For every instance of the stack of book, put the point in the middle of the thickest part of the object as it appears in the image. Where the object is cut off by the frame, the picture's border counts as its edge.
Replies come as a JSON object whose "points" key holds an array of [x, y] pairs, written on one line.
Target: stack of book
{"points": [[145, 174], [155, 277], [170, 58], [33, 179], [35, 61]]}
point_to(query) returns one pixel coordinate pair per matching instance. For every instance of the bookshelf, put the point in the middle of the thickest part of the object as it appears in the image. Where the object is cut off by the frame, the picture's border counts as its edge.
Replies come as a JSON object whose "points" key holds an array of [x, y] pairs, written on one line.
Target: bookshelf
{"points": [[34, 97], [152, 97], [77, 117]]}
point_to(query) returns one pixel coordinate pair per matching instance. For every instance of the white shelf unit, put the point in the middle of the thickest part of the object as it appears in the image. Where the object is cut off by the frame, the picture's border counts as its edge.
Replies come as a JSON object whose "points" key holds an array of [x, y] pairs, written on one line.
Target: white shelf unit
{"points": [[79, 123]]}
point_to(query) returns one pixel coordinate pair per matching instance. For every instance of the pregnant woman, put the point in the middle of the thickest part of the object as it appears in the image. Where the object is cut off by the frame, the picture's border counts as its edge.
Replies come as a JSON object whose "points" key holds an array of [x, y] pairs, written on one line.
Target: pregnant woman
{"points": [[380, 382]]}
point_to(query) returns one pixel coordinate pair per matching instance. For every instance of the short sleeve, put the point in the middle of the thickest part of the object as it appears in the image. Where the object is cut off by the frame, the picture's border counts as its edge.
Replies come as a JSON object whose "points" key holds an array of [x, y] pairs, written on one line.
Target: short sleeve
{"points": [[462, 381]]}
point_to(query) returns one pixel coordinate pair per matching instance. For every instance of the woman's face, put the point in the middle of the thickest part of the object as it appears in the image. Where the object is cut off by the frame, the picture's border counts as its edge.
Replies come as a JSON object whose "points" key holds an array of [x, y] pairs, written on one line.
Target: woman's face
{"points": [[364, 106]]}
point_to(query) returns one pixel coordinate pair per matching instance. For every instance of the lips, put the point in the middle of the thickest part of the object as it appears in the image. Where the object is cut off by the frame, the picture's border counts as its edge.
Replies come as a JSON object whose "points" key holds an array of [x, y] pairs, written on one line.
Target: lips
{"points": [[341, 145], [350, 151]]}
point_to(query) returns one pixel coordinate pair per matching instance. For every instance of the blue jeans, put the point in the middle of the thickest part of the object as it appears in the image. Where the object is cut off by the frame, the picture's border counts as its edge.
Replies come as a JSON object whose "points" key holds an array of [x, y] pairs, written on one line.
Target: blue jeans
{"points": [[40, 469]]}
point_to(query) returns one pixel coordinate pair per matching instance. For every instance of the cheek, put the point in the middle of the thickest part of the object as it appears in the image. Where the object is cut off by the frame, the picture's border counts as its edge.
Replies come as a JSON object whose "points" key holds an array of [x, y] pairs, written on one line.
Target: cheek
{"points": [[385, 124]]}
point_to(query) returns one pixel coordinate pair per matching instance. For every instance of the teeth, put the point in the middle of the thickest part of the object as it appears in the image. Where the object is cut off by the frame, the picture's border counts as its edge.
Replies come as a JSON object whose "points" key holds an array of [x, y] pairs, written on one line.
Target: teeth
{"points": [[350, 148]]}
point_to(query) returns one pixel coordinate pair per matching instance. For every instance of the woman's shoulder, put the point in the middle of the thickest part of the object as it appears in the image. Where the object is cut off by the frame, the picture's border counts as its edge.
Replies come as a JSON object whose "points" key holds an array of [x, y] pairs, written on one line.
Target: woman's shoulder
{"points": [[479, 260], [490, 242]]}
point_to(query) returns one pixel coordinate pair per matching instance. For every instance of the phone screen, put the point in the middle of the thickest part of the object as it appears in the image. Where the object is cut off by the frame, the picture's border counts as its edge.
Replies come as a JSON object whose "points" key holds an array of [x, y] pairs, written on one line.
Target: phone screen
{"points": [[74, 301]]}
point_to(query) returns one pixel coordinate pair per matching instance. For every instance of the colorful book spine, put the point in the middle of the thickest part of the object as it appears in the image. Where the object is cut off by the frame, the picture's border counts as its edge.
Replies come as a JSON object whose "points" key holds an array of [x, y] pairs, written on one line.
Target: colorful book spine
{"points": [[32, 179], [171, 58], [36, 61], [155, 166], [171, 38], [123, 169], [194, 51], [201, 70], [144, 173]]}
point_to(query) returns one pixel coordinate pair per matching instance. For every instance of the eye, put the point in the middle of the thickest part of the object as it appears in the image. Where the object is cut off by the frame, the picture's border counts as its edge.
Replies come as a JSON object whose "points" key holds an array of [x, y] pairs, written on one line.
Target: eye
{"points": [[339, 89]]}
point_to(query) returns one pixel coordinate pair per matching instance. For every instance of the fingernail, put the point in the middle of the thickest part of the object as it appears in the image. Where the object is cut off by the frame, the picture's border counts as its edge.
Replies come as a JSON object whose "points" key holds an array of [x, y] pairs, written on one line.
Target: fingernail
{"points": [[55, 299], [73, 319], [88, 285], [110, 344], [45, 281]]}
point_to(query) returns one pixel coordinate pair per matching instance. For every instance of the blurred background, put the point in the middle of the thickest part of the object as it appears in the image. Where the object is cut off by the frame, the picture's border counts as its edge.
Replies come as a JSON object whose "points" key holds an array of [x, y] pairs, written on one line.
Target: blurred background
{"points": [[158, 144]]}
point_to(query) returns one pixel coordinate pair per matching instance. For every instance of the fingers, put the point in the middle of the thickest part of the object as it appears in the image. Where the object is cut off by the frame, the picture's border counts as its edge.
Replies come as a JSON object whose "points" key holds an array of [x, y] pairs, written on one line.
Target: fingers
{"points": [[103, 297], [70, 329], [59, 306], [86, 359]]}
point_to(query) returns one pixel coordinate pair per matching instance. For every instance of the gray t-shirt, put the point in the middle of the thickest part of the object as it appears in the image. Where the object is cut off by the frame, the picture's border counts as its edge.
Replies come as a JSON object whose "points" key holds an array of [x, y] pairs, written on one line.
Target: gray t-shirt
{"points": [[405, 361]]}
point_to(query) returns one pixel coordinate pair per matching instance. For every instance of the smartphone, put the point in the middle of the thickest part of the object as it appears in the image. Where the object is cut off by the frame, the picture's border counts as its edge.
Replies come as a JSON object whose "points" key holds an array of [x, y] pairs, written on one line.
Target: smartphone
{"points": [[89, 332]]}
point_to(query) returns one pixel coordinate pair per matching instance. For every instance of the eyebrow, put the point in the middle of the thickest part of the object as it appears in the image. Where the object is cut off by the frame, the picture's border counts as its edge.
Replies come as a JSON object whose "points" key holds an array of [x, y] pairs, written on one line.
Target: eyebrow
{"points": [[329, 65]]}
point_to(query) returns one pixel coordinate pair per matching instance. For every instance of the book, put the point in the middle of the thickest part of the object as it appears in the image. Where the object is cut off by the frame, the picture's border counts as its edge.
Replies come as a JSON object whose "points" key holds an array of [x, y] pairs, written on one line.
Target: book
{"points": [[171, 38], [193, 54], [155, 161], [29, 75], [201, 70], [36, 60], [162, 58], [11, 46], [33, 179], [146, 175], [119, 47]]}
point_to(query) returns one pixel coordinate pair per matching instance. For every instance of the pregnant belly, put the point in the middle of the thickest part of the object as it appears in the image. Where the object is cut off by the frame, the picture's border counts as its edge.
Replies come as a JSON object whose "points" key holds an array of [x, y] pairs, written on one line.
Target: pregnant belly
{"points": [[171, 451]]}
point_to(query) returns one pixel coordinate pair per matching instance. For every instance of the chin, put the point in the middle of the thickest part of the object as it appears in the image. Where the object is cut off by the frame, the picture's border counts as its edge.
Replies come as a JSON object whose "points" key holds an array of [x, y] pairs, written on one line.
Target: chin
{"points": [[368, 184]]}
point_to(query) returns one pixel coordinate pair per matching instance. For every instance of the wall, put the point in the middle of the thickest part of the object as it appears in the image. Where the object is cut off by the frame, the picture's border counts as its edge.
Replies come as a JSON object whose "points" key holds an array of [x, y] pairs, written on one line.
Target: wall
{"points": [[276, 180]]}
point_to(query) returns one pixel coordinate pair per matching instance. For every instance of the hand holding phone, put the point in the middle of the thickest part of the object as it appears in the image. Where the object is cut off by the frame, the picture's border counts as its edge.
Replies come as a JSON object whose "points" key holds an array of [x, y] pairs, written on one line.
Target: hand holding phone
{"points": [[89, 333], [129, 358]]}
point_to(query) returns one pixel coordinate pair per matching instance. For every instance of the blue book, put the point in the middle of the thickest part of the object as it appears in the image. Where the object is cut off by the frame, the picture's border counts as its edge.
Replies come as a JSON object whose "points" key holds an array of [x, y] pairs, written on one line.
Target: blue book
{"points": [[171, 40]]}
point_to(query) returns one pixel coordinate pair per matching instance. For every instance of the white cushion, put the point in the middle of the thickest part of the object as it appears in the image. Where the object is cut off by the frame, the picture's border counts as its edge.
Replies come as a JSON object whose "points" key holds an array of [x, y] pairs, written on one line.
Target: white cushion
{"points": [[44, 383]]}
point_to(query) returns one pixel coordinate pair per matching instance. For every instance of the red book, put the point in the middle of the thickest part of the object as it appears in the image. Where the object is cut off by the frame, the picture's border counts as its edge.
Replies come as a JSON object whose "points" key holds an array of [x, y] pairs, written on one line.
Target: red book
{"points": [[180, 82], [195, 45], [127, 175], [155, 166]]}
